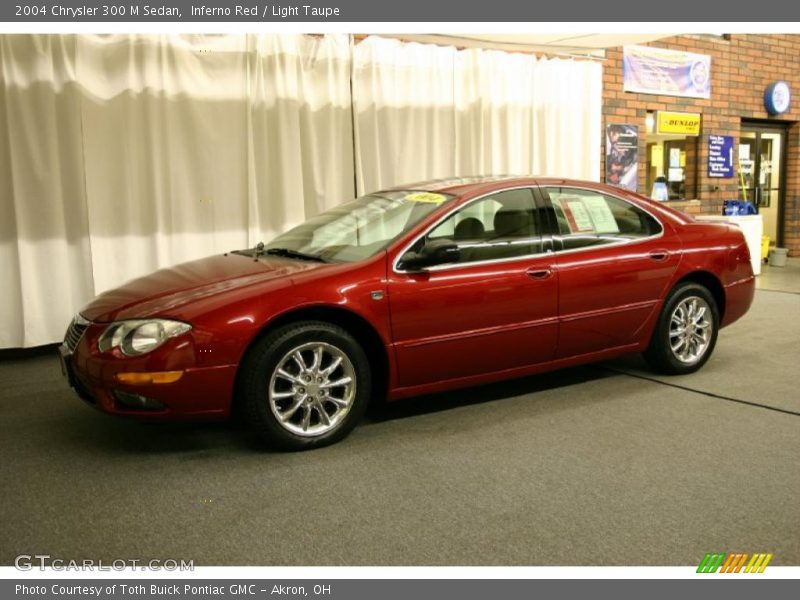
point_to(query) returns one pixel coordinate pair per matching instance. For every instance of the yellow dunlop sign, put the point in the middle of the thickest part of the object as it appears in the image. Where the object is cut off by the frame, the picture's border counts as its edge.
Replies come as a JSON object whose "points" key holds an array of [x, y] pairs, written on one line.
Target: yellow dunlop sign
{"points": [[678, 122]]}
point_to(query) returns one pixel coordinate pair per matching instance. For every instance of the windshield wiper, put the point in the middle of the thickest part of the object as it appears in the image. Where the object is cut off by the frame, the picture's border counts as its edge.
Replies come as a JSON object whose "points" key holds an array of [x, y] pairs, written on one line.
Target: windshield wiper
{"points": [[294, 254]]}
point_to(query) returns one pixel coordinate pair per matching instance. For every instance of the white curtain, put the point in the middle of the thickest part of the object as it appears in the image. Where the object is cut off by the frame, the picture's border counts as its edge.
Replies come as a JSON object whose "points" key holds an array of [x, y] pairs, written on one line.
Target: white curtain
{"points": [[123, 154], [45, 256], [300, 133], [425, 111], [495, 112], [567, 118], [404, 106]]}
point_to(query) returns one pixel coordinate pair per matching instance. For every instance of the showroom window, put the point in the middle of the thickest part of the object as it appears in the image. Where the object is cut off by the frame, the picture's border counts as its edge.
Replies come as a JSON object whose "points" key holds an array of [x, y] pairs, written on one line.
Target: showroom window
{"points": [[671, 163], [587, 218], [503, 225]]}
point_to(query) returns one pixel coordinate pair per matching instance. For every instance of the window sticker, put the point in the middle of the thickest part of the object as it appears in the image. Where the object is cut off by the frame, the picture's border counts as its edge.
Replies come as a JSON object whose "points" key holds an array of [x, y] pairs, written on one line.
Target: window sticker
{"points": [[428, 197], [601, 215], [578, 217]]}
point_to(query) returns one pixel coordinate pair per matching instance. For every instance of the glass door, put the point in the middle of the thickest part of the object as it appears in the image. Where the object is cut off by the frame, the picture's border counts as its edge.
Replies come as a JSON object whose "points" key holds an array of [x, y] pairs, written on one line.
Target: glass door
{"points": [[761, 150]]}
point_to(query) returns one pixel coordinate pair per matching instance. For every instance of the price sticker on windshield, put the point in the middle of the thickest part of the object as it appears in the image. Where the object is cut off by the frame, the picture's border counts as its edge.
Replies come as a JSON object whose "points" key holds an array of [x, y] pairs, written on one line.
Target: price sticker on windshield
{"points": [[429, 197]]}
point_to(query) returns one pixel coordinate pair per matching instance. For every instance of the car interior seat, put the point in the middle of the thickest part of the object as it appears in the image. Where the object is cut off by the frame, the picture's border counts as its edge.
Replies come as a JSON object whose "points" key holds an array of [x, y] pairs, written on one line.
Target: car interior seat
{"points": [[512, 228], [470, 228]]}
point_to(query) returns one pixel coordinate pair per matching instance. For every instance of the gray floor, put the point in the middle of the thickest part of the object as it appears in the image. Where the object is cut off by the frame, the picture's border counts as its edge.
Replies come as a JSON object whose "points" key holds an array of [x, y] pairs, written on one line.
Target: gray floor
{"points": [[598, 465], [784, 279]]}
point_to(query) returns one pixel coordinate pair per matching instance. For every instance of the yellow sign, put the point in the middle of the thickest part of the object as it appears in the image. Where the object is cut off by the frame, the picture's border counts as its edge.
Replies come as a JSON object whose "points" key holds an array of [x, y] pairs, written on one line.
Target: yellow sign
{"points": [[678, 123], [426, 197], [657, 156]]}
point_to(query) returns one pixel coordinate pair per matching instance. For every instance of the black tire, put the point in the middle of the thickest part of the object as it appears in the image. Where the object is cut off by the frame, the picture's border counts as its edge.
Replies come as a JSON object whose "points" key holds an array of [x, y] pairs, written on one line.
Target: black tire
{"points": [[259, 378], [659, 354]]}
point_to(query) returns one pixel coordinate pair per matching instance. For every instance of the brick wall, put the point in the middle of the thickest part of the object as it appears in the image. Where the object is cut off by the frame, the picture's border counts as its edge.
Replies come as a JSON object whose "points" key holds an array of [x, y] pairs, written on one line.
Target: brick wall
{"points": [[741, 68]]}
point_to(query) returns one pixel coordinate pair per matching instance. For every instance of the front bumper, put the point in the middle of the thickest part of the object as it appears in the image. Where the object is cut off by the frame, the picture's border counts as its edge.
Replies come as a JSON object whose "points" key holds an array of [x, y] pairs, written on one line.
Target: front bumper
{"points": [[201, 392]]}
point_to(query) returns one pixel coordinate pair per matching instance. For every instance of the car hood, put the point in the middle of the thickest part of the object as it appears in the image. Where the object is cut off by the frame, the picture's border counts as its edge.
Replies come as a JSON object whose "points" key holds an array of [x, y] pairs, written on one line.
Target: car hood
{"points": [[166, 291]]}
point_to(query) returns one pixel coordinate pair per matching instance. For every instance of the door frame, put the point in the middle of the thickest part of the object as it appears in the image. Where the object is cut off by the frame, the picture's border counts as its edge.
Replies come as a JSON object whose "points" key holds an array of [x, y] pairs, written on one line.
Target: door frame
{"points": [[781, 127]]}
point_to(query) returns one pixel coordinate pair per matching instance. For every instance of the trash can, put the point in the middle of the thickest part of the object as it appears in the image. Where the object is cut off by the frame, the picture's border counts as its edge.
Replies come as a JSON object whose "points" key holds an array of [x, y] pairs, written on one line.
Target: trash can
{"points": [[777, 257], [764, 247]]}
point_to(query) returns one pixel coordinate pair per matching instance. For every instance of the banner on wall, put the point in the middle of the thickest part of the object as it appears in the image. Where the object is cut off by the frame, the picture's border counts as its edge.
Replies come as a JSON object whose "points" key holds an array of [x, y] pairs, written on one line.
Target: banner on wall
{"points": [[649, 70], [622, 155]]}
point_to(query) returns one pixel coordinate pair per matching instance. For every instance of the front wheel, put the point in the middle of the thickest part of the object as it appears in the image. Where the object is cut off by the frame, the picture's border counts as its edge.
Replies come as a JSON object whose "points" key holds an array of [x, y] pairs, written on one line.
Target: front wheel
{"points": [[305, 385], [686, 331]]}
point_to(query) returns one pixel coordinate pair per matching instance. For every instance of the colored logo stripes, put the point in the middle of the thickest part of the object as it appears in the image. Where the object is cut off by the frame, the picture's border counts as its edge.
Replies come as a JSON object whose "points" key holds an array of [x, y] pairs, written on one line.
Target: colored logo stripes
{"points": [[734, 562]]}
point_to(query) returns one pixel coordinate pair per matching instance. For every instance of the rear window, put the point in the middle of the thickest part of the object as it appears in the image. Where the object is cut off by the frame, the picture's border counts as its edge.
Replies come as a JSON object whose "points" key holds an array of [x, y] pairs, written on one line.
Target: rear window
{"points": [[584, 212]]}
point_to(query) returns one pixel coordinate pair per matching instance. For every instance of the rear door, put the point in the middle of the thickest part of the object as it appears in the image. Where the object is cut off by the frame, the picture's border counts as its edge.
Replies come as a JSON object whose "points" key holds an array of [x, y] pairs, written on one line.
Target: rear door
{"points": [[614, 262]]}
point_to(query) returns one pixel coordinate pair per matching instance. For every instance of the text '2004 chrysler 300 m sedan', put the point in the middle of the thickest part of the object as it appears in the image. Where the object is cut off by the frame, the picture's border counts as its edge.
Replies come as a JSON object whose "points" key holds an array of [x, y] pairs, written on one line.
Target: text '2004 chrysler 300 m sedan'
{"points": [[435, 286]]}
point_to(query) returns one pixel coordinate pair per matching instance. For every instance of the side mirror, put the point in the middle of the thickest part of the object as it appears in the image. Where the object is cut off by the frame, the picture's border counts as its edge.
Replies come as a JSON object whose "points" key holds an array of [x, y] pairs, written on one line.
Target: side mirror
{"points": [[434, 252]]}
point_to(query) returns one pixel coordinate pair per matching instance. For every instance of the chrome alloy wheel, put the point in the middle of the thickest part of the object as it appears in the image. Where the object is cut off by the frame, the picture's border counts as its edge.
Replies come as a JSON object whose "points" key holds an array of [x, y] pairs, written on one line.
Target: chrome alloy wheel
{"points": [[690, 329], [312, 389]]}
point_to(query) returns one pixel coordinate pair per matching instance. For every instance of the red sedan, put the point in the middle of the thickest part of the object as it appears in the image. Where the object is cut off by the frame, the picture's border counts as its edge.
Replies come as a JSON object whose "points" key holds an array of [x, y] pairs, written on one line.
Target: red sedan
{"points": [[435, 286]]}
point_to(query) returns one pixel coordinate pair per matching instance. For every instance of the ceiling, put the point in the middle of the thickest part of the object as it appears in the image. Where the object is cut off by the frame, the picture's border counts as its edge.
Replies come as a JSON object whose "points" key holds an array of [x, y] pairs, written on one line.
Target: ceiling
{"points": [[574, 44]]}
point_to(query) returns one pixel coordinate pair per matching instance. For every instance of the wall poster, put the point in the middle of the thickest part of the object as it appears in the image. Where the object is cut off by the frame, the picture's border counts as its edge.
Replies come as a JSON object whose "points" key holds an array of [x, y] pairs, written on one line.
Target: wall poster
{"points": [[622, 155]]}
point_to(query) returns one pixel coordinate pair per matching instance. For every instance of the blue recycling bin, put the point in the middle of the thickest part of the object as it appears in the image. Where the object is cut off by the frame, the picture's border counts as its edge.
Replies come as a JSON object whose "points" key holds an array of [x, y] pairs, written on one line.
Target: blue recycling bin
{"points": [[732, 208]]}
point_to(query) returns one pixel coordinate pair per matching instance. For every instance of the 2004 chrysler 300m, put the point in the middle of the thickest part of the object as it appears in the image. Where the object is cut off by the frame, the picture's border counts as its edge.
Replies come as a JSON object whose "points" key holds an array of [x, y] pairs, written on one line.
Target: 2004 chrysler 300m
{"points": [[407, 291]]}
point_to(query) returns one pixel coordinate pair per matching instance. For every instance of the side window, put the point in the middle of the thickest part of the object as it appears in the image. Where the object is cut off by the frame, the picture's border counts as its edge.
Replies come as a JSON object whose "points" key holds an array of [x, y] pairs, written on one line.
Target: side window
{"points": [[587, 218], [503, 225]]}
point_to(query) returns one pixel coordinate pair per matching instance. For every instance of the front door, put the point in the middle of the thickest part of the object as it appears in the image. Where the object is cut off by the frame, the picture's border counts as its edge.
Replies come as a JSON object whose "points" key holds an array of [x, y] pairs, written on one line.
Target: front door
{"points": [[761, 151], [495, 309]]}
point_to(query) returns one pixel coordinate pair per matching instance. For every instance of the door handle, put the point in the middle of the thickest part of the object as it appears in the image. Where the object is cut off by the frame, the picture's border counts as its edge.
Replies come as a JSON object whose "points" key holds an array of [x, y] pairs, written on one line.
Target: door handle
{"points": [[659, 255], [539, 273]]}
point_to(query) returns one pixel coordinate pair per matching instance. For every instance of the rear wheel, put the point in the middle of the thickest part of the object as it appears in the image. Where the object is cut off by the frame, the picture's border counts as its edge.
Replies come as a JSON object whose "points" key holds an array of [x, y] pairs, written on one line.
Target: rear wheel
{"points": [[305, 385], [686, 332]]}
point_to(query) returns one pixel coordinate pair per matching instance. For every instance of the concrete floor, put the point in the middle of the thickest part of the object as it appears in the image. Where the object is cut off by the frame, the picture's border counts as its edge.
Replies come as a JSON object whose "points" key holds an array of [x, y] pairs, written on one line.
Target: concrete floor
{"points": [[783, 279], [599, 465]]}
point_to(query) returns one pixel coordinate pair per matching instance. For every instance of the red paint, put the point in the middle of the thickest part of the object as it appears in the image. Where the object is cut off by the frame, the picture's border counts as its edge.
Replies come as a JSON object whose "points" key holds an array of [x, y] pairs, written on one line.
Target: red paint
{"points": [[440, 330]]}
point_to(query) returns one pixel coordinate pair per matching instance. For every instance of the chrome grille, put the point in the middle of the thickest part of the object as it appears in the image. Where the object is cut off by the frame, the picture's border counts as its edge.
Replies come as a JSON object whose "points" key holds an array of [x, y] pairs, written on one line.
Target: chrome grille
{"points": [[75, 332]]}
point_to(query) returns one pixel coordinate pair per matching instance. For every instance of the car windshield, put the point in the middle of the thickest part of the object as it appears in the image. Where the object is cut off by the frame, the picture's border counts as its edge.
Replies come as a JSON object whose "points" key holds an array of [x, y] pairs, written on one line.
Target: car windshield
{"points": [[360, 228]]}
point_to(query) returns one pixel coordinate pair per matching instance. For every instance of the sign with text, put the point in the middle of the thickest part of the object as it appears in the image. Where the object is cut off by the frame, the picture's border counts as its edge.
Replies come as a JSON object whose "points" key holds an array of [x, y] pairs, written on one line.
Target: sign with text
{"points": [[129, 587], [679, 123], [649, 70], [369, 11], [720, 156]]}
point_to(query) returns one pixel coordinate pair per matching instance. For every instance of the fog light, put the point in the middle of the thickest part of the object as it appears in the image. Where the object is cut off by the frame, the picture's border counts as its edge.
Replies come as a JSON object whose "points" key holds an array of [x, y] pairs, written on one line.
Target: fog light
{"points": [[149, 378], [137, 401]]}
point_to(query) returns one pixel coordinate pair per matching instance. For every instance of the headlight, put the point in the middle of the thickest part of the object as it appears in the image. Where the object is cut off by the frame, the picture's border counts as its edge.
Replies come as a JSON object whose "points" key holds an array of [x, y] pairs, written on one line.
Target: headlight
{"points": [[140, 336]]}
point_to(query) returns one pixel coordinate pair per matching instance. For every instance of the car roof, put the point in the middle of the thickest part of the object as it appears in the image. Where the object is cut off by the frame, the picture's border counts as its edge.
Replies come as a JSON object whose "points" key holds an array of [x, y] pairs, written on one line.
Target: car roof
{"points": [[459, 186], [466, 188], [454, 185]]}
